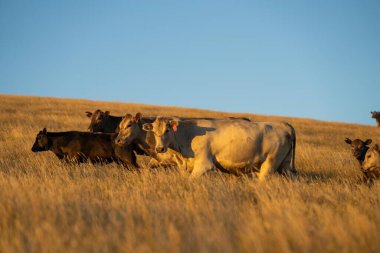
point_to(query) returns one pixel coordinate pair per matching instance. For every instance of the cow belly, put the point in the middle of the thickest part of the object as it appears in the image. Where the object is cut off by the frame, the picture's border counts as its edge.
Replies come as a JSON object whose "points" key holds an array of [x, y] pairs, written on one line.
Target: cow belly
{"points": [[239, 163], [238, 155]]}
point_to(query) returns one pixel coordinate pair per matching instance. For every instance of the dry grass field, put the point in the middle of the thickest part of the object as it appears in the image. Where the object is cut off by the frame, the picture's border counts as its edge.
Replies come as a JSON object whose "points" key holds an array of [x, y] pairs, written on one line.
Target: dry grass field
{"points": [[48, 206]]}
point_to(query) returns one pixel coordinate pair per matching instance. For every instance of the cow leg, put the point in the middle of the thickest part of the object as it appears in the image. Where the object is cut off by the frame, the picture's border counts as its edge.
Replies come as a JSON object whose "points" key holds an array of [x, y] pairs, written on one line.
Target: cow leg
{"points": [[269, 166], [153, 163], [126, 156], [201, 165], [286, 168]]}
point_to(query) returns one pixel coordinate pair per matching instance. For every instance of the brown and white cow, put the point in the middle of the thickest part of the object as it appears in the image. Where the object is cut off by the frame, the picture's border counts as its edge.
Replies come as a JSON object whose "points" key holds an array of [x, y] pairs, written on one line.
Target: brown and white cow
{"points": [[376, 115], [234, 146], [371, 163], [74, 146]]}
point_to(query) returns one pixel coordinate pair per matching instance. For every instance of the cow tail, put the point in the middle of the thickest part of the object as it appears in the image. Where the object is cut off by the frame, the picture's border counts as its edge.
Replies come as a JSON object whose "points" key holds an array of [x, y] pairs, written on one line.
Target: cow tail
{"points": [[294, 141], [294, 152]]}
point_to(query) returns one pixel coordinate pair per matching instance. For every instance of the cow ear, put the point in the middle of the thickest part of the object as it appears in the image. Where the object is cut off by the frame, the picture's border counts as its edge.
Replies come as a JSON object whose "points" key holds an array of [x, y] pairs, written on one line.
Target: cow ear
{"points": [[44, 131], [138, 116], [148, 127], [376, 147], [127, 116], [107, 113], [348, 140], [367, 142], [89, 114], [174, 124]]}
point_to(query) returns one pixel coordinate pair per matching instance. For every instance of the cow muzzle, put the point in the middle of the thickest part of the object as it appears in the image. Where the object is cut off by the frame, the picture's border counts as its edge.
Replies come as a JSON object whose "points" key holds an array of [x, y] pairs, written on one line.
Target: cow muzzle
{"points": [[160, 149], [119, 141]]}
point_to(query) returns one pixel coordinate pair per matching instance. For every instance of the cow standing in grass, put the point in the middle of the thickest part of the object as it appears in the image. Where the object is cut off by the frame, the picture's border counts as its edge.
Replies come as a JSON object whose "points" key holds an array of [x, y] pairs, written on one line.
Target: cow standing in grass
{"points": [[103, 121], [359, 150], [234, 146], [81, 147], [376, 115], [371, 163], [131, 133]]}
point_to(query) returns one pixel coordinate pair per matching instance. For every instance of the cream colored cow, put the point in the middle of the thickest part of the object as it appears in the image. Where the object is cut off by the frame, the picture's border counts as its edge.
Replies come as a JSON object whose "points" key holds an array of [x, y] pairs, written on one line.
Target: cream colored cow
{"points": [[234, 146], [371, 164]]}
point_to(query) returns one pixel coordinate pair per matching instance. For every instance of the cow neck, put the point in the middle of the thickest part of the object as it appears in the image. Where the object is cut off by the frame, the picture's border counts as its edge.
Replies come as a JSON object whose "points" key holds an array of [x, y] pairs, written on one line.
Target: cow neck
{"points": [[52, 137], [176, 145], [362, 157]]}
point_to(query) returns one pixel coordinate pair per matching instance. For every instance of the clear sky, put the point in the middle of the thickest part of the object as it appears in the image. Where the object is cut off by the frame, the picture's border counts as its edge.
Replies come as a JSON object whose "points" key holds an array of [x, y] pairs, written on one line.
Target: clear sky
{"points": [[315, 59]]}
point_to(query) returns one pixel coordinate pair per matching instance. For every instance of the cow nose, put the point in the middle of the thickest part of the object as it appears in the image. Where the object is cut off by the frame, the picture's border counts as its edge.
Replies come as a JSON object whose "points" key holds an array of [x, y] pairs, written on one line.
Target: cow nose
{"points": [[160, 149]]}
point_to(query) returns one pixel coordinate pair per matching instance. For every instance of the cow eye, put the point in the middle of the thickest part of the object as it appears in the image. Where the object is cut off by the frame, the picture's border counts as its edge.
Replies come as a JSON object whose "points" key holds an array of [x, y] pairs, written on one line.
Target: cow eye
{"points": [[167, 130], [369, 156]]}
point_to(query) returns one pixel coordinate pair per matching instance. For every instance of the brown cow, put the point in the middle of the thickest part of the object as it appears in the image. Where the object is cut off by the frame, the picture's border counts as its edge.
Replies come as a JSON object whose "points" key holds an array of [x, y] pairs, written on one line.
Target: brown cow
{"points": [[80, 147], [103, 121], [376, 115], [359, 149], [371, 163]]}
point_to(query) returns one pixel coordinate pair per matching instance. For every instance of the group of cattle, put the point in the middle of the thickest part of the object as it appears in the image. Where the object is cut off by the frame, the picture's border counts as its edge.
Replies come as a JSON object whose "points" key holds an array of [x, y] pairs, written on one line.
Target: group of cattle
{"points": [[197, 145]]}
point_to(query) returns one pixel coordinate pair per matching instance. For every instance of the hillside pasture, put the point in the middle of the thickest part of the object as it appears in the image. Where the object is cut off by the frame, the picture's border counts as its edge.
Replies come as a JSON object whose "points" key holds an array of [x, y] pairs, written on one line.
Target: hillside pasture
{"points": [[50, 206]]}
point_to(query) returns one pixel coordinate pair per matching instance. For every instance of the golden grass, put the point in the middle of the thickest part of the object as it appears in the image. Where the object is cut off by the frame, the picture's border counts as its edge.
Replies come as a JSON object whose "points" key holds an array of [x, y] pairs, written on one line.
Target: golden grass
{"points": [[48, 206]]}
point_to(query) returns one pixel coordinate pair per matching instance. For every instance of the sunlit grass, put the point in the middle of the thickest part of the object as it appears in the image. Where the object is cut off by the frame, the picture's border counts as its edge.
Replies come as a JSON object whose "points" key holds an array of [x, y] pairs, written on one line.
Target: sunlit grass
{"points": [[49, 206]]}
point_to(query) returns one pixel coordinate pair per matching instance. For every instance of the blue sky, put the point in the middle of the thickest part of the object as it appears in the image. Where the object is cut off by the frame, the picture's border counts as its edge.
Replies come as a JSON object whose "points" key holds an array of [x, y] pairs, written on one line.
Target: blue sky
{"points": [[315, 59]]}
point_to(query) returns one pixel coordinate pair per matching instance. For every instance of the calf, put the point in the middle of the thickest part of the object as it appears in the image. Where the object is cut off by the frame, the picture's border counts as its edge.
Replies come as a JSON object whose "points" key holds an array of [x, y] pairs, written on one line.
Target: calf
{"points": [[84, 146], [376, 115], [371, 163], [359, 150]]}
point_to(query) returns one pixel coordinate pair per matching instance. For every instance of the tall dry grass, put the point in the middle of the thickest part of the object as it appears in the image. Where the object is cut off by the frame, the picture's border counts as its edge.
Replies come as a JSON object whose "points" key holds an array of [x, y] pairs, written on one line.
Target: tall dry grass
{"points": [[48, 206]]}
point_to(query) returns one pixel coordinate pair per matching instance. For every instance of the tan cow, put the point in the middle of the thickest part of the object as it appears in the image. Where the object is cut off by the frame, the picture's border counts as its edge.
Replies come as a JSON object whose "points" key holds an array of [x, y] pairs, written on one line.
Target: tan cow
{"points": [[371, 162], [234, 146], [132, 133]]}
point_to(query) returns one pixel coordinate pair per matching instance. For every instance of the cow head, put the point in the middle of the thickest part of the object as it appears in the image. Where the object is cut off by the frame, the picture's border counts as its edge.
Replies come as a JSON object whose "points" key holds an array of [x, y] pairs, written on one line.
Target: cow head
{"points": [[372, 158], [358, 148], [98, 120], [42, 142], [163, 129], [129, 129], [375, 114]]}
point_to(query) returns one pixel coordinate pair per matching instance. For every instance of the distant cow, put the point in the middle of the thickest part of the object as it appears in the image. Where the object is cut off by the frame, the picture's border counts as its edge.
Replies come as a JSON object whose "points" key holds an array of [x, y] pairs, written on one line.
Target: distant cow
{"points": [[376, 115], [233, 146], [103, 121], [371, 163], [359, 149], [84, 146]]}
